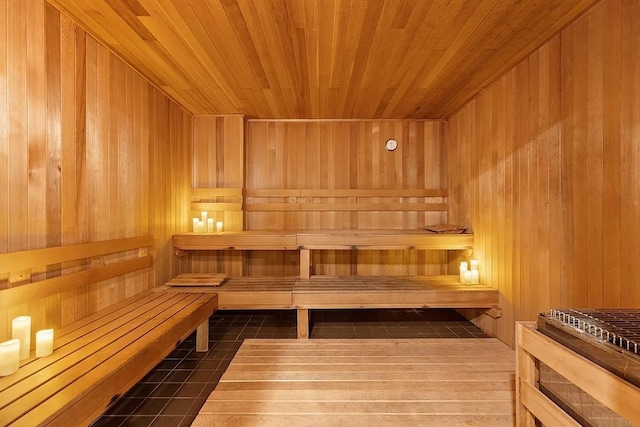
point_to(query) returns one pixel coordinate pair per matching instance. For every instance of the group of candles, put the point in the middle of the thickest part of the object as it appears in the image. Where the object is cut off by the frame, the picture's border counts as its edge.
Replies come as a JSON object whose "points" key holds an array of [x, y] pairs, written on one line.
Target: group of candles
{"points": [[469, 276], [19, 346], [205, 224]]}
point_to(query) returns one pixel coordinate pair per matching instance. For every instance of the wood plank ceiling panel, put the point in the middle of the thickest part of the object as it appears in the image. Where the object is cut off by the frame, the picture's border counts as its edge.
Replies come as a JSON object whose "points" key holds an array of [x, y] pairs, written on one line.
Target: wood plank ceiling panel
{"points": [[338, 59]]}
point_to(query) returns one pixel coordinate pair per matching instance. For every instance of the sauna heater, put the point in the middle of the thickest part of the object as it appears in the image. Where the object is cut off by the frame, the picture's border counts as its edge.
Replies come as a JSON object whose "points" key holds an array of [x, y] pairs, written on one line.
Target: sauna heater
{"points": [[609, 338]]}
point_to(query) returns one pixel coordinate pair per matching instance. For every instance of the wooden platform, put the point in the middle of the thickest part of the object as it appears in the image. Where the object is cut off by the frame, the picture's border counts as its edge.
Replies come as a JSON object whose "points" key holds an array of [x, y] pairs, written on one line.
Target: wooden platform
{"points": [[391, 292], [434, 382], [333, 239]]}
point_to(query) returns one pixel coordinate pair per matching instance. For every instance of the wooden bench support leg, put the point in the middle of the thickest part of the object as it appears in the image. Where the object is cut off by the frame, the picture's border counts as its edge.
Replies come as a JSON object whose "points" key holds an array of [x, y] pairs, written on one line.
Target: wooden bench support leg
{"points": [[202, 336], [303, 323], [305, 264]]}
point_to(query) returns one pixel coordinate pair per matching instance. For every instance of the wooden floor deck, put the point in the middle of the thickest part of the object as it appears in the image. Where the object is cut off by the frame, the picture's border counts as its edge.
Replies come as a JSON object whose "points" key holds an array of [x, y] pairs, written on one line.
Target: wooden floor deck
{"points": [[438, 382]]}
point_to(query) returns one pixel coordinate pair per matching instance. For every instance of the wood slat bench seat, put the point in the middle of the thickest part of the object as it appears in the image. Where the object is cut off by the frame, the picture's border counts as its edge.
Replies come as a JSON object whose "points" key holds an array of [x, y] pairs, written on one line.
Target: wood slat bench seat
{"points": [[332, 239], [322, 292], [100, 357]]}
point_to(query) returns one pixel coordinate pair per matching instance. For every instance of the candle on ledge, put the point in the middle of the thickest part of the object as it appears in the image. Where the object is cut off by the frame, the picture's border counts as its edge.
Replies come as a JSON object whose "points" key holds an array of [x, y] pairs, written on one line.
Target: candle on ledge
{"points": [[196, 221], [201, 226], [204, 216], [475, 277], [463, 268], [467, 277], [219, 226], [44, 342], [9, 357], [21, 329], [474, 264], [209, 225]]}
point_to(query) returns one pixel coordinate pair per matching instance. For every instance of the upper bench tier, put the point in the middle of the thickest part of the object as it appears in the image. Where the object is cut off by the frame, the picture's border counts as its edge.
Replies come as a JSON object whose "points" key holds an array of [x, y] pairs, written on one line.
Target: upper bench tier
{"points": [[331, 239]]}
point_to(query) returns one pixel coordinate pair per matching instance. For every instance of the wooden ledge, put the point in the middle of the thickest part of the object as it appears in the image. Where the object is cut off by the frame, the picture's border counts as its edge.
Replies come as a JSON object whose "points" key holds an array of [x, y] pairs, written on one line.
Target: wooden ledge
{"points": [[331, 239], [236, 240], [382, 240]]}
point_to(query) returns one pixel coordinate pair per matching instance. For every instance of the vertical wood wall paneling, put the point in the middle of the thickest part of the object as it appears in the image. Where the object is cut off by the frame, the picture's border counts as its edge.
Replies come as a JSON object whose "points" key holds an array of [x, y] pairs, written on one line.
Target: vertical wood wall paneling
{"points": [[89, 150], [218, 162], [345, 154], [550, 212]]}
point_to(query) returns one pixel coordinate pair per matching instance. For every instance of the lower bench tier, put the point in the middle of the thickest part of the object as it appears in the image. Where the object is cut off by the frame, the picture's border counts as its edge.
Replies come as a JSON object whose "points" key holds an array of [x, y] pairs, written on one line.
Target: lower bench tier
{"points": [[348, 292]]}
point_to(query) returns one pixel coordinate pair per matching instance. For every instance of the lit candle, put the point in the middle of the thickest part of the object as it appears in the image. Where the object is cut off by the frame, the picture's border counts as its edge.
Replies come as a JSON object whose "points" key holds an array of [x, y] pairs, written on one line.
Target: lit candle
{"points": [[201, 227], [210, 225], [463, 268], [475, 277], [196, 221], [44, 342], [21, 330], [9, 357], [204, 215], [219, 226], [474, 264], [467, 278]]}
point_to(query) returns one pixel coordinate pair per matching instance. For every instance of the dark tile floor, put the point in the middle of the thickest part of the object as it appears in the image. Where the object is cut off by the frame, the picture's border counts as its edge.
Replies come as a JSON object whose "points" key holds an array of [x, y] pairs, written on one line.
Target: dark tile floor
{"points": [[173, 392]]}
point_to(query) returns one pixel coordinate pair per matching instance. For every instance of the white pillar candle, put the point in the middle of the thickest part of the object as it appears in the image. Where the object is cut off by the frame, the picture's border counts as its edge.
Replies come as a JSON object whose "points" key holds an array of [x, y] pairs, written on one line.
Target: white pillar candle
{"points": [[463, 268], [9, 357], [219, 226], [474, 264], [21, 329], [475, 277], [44, 342], [201, 226], [196, 221], [209, 225], [203, 216], [467, 277]]}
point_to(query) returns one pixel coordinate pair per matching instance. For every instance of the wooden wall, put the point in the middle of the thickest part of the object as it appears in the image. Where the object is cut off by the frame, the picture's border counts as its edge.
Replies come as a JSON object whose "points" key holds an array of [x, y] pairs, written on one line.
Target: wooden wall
{"points": [[544, 165], [89, 151], [326, 154]]}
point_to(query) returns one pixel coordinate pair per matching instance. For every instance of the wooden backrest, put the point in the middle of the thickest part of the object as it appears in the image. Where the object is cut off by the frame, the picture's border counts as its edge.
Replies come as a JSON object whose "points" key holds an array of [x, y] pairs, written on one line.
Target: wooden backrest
{"points": [[345, 199], [35, 274]]}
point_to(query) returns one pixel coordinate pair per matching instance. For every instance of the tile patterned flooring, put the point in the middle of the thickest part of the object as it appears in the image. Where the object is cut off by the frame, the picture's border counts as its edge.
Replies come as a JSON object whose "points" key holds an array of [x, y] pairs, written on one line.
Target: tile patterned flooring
{"points": [[174, 391]]}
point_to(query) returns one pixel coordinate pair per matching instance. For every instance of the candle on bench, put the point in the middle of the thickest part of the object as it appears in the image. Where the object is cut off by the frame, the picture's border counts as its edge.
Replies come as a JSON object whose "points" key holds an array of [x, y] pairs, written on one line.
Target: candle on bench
{"points": [[209, 225], [474, 264], [219, 226], [9, 357], [468, 277], [21, 330], [196, 221], [463, 268], [201, 226], [204, 215], [44, 342], [475, 277]]}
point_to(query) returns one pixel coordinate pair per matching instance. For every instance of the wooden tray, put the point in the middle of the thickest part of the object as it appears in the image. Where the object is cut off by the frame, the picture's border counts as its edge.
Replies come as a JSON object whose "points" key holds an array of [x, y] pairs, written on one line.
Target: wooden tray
{"points": [[199, 279]]}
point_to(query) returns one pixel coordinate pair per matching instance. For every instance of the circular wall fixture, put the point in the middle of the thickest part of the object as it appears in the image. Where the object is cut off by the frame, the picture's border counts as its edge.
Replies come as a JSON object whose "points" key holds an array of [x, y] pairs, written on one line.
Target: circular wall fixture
{"points": [[391, 144]]}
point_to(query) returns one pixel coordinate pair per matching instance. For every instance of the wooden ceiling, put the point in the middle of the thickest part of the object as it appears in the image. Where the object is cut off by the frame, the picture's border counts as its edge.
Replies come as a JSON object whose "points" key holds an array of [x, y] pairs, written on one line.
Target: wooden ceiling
{"points": [[323, 58]]}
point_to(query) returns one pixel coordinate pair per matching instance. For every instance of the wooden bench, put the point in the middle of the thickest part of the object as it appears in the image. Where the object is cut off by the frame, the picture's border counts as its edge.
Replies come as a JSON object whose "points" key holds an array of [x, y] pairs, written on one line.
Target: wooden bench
{"points": [[319, 292], [100, 356], [386, 292], [349, 292]]}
